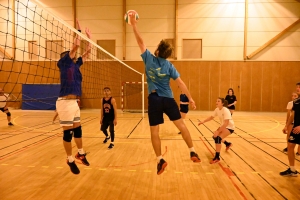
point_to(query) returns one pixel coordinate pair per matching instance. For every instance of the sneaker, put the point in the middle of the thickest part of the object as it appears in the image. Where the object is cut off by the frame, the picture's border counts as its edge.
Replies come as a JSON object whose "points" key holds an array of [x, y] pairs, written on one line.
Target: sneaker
{"points": [[111, 146], [288, 172], [215, 160], [195, 157], [297, 154], [228, 146], [10, 124], [179, 133], [161, 166], [73, 167], [82, 158], [285, 150], [106, 139]]}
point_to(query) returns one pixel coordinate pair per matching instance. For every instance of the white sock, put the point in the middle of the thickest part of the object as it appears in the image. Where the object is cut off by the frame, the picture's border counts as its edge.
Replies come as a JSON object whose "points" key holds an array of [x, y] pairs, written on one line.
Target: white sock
{"points": [[293, 168], [159, 158], [70, 159], [80, 151], [192, 149]]}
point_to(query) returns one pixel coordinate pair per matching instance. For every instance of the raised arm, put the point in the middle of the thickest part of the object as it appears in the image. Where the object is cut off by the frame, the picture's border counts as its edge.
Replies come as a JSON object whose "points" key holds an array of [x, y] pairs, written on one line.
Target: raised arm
{"points": [[184, 90], [86, 54], [137, 34], [76, 42]]}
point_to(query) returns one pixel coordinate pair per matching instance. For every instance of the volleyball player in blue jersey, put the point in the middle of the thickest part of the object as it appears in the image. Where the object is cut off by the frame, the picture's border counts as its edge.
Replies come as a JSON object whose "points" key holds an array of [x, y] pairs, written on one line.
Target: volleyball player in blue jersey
{"points": [[160, 100], [66, 105]]}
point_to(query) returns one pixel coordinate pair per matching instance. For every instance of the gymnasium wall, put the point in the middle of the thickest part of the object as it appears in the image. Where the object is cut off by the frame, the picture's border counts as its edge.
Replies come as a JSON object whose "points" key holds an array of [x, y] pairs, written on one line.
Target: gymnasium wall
{"points": [[258, 85]]}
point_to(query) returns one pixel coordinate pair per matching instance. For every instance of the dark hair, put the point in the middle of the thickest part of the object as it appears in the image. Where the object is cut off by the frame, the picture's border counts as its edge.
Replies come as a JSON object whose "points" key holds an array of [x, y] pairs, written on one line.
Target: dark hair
{"points": [[298, 83], [231, 90], [63, 54], [224, 102], [106, 88], [165, 49]]}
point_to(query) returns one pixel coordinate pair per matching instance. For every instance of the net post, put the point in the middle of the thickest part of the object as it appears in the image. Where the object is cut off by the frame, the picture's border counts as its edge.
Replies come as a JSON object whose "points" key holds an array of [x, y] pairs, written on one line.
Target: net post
{"points": [[143, 99]]}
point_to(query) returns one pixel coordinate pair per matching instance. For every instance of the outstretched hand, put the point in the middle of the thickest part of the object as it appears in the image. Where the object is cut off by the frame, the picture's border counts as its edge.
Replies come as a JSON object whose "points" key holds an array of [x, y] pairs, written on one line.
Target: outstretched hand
{"points": [[132, 19], [88, 32], [77, 24]]}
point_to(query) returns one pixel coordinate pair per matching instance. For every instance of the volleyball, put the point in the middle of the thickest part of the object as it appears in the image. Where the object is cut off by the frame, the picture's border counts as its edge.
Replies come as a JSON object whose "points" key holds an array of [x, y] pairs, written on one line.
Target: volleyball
{"points": [[128, 13]]}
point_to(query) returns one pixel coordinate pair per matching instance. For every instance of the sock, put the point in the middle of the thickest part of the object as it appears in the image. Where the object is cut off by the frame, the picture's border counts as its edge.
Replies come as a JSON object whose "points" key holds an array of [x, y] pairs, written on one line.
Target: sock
{"points": [[192, 149], [292, 168], [159, 158], [226, 143], [217, 155], [70, 159], [80, 151], [107, 136]]}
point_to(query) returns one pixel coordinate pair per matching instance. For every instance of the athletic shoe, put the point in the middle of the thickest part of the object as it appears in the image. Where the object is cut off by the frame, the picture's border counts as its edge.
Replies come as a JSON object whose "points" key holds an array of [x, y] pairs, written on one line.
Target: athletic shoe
{"points": [[106, 139], [73, 167], [228, 146], [10, 124], [195, 157], [82, 158], [288, 172], [161, 166], [297, 154], [111, 146], [179, 133], [215, 160], [285, 150]]}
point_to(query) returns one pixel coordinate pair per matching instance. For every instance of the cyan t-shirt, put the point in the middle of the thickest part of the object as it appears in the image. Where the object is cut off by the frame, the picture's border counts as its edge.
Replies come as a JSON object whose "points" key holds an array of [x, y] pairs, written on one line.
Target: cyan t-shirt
{"points": [[70, 76], [159, 71]]}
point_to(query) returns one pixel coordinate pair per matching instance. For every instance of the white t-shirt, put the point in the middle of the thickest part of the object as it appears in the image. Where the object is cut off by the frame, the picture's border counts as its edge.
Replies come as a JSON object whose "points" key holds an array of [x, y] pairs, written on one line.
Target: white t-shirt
{"points": [[224, 114], [289, 105], [3, 100]]}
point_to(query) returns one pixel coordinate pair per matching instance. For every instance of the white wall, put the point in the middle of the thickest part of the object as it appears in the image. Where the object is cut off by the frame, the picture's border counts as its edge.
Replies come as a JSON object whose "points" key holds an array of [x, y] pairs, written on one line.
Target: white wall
{"points": [[219, 23]]}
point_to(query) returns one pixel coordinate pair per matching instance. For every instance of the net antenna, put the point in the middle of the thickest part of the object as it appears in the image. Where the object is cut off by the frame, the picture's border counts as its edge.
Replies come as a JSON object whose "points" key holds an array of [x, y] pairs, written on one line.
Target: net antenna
{"points": [[32, 39]]}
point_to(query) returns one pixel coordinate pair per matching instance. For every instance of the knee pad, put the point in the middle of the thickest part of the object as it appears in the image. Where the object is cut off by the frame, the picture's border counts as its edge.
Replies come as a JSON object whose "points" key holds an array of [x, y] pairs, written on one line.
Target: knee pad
{"points": [[77, 132], [8, 114], [218, 140], [67, 135]]}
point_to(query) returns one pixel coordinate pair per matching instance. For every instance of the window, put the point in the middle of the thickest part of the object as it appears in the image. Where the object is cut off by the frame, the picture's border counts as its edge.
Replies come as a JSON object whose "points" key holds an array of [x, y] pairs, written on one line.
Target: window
{"points": [[32, 50], [53, 49], [108, 45], [191, 48]]}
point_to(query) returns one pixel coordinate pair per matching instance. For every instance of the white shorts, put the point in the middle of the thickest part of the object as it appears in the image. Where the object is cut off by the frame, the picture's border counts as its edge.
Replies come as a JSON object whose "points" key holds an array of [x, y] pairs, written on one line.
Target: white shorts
{"points": [[68, 111]]}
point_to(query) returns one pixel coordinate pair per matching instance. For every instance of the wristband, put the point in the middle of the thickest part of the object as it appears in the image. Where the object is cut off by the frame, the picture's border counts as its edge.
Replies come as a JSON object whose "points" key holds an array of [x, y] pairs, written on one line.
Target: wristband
{"points": [[79, 31]]}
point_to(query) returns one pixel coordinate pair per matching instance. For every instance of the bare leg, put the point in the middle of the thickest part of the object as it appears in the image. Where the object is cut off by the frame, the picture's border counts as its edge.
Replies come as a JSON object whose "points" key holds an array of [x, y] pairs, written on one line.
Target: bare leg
{"points": [[155, 140], [291, 154], [184, 132]]}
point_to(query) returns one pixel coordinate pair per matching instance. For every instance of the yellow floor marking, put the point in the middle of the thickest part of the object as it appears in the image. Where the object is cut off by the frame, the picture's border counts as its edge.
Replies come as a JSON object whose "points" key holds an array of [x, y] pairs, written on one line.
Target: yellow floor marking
{"points": [[178, 172], [147, 171], [102, 169], [88, 168], [209, 173]]}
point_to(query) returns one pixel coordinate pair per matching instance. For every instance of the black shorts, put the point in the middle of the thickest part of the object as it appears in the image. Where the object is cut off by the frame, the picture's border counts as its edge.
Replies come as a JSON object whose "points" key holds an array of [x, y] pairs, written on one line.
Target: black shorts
{"points": [[2, 109], [184, 108], [230, 130], [106, 124], [231, 107], [157, 106], [294, 138]]}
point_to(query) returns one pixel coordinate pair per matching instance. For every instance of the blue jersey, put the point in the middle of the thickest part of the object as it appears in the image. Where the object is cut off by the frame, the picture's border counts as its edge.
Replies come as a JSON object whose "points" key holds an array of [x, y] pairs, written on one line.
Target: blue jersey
{"points": [[70, 76], [158, 72]]}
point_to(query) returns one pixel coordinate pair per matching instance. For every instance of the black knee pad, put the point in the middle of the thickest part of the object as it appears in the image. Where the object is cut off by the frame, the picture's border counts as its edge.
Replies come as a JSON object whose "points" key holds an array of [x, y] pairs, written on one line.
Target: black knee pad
{"points": [[67, 135], [77, 132], [8, 114], [218, 140]]}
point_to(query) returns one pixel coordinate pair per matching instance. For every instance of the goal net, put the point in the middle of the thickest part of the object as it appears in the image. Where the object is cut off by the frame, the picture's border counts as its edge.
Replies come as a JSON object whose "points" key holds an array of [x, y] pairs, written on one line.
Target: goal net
{"points": [[31, 41]]}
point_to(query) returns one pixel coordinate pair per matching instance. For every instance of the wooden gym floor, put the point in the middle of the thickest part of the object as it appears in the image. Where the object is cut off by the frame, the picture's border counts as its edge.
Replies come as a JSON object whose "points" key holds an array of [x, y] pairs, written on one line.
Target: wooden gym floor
{"points": [[33, 161]]}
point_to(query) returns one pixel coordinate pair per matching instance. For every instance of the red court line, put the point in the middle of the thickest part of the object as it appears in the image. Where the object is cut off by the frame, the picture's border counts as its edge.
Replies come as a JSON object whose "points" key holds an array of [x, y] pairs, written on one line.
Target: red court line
{"points": [[227, 171], [31, 145]]}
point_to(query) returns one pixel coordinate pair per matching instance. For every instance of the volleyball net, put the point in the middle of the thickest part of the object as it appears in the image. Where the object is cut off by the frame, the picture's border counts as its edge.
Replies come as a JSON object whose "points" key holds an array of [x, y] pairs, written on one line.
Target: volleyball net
{"points": [[31, 41]]}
